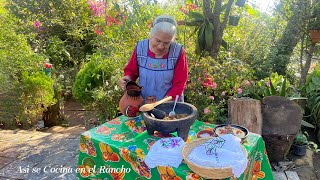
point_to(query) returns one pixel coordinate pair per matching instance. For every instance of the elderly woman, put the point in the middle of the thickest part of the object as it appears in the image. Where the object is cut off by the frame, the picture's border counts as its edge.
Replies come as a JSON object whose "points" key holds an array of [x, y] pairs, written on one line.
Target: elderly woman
{"points": [[159, 62]]}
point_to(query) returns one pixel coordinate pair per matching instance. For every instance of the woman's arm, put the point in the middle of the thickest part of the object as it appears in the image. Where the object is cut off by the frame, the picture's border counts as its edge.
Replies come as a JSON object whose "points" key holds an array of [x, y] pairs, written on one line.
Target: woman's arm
{"points": [[131, 68], [131, 72]]}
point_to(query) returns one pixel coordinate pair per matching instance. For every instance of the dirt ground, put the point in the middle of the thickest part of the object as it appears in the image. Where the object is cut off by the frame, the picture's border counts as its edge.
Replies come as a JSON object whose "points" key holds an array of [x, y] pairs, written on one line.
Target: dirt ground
{"points": [[76, 115]]}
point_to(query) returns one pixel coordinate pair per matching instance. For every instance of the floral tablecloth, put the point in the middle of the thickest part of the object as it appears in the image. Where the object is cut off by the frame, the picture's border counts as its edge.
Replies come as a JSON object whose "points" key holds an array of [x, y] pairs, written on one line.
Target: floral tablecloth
{"points": [[116, 150]]}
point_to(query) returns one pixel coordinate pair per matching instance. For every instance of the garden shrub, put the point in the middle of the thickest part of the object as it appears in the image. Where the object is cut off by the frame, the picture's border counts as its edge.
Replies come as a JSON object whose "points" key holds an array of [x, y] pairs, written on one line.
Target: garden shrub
{"points": [[312, 91], [211, 83], [36, 95], [96, 84], [22, 85]]}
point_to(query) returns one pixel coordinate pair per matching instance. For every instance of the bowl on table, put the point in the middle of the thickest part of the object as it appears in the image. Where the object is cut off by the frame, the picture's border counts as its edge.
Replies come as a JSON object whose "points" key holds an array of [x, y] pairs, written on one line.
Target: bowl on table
{"points": [[206, 133], [181, 125], [236, 130]]}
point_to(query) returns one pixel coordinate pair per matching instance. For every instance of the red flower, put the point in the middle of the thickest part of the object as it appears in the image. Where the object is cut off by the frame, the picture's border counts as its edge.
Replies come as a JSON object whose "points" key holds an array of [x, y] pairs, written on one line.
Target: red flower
{"points": [[112, 20], [192, 6], [97, 30], [184, 11], [48, 65]]}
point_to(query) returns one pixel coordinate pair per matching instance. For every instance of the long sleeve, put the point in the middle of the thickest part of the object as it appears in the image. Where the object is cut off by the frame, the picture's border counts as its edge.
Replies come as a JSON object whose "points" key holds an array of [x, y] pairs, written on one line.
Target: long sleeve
{"points": [[131, 68], [180, 76]]}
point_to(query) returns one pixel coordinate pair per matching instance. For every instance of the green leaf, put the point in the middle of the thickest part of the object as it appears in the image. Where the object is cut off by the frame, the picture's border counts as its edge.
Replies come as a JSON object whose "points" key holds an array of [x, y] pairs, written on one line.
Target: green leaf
{"points": [[196, 15], [208, 36], [195, 31], [116, 6], [211, 26], [315, 80], [273, 90], [311, 87], [283, 88], [201, 37], [225, 45], [255, 95], [305, 123], [267, 92]]}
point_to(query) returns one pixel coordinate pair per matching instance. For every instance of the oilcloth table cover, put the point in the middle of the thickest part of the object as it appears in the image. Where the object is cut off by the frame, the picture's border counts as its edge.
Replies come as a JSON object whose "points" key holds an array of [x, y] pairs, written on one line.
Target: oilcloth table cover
{"points": [[117, 149]]}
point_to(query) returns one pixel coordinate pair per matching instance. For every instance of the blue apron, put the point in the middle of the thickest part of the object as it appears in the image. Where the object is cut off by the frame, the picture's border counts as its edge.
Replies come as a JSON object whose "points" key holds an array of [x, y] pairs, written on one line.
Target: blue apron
{"points": [[156, 74]]}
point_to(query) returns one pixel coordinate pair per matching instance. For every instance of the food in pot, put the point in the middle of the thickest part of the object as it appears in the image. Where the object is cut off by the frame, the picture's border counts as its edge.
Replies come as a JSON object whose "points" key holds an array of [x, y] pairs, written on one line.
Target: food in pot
{"points": [[230, 130], [177, 116]]}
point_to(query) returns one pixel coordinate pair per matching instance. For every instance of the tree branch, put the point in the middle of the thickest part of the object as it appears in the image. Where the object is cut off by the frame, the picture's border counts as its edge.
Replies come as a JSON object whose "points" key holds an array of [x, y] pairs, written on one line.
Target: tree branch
{"points": [[216, 15], [226, 15], [207, 10]]}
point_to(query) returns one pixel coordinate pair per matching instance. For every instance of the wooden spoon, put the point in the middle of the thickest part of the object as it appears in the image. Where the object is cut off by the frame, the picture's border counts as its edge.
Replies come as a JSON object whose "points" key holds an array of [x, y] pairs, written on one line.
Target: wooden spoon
{"points": [[149, 107]]}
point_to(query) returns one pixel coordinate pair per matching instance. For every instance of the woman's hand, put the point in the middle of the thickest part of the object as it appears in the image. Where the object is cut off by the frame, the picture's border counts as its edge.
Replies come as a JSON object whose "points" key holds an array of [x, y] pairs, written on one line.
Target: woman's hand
{"points": [[123, 81]]}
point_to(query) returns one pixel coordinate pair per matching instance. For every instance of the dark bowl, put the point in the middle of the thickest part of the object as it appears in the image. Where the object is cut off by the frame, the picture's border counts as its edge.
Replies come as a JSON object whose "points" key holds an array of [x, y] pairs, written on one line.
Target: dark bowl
{"points": [[235, 129], [181, 125]]}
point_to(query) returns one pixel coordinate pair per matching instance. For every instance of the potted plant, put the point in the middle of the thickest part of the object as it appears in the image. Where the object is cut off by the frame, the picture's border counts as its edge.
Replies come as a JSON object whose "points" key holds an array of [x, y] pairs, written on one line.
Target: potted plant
{"points": [[300, 144], [234, 20], [314, 24], [240, 3]]}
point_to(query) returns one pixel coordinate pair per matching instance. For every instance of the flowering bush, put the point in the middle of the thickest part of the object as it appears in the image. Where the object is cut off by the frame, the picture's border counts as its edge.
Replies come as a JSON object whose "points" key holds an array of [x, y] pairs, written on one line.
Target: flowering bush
{"points": [[211, 83]]}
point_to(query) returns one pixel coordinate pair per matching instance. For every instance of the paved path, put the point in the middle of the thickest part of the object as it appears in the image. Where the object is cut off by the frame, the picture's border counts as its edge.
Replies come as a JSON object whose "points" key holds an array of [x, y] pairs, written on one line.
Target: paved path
{"points": [[39, 155]]}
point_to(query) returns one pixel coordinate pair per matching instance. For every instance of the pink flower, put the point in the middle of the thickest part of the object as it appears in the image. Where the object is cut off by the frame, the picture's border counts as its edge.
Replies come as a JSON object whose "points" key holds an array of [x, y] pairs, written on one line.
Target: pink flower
{"points": [[213, 85], [206, 111], [97, 7], [223, 93], [248, 82], [239, 91], [268, 83], [37, 24], [211, 97]]}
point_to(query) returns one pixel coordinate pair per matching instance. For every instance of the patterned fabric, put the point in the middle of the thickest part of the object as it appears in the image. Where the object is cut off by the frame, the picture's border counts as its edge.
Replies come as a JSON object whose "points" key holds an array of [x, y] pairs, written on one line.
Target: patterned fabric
{"points": [[165, 152], [156, 74], [222, 151], [118, 148]]}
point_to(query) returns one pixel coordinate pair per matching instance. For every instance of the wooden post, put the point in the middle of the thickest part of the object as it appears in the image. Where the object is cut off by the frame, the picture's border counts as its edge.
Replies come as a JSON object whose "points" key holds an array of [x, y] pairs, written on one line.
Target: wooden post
{"points": [[247, 113]]}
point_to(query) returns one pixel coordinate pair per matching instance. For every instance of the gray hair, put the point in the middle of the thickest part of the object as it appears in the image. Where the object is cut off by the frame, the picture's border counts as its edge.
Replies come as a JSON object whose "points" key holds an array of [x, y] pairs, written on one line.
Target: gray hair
{"points": [[166, 24]]}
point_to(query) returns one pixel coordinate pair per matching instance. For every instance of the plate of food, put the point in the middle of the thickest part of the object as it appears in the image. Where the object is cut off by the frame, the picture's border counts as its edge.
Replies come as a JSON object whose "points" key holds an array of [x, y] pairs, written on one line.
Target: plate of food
{"points": [[236, 130]]}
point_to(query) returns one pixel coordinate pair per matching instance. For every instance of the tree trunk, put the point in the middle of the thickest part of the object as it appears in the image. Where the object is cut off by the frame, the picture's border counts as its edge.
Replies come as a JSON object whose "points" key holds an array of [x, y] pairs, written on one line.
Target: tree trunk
{"points": [[305, 69], [247, 113], [279, 60], [214, 18]]}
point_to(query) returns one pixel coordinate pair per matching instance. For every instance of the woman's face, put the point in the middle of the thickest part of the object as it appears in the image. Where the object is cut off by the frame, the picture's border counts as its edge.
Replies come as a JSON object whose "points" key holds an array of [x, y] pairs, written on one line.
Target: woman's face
{"points": [[160, 42]]}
